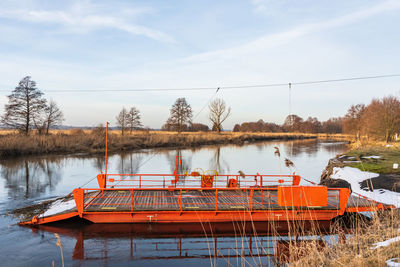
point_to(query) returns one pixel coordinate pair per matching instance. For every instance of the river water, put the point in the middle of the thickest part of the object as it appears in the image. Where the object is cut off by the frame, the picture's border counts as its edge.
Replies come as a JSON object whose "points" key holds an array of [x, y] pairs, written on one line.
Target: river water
{"points": [[26, 181]]}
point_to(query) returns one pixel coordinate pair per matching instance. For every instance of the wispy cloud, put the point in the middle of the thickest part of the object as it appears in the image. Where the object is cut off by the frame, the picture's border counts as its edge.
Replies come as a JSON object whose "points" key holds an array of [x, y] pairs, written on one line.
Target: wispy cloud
{"points": [[280, 38], [259, 5], [88, 18]]}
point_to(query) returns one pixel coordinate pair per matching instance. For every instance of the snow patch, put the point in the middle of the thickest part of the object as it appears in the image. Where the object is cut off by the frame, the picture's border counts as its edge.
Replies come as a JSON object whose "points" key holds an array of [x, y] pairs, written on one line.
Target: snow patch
{"points": [[395, 262], [371, 157], [386, 242], [59, 206], [355, 176]]}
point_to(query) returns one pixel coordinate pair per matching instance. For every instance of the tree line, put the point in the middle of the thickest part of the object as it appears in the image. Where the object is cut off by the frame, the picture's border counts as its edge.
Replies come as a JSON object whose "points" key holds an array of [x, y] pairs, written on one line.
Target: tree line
{"points": [[181, 117], [293, 123], [27, 109], [380, 119]]}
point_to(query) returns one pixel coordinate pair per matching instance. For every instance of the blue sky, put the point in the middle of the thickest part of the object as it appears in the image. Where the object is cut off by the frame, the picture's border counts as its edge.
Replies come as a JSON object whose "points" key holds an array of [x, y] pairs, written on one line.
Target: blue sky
{"points": [[89, 45]]}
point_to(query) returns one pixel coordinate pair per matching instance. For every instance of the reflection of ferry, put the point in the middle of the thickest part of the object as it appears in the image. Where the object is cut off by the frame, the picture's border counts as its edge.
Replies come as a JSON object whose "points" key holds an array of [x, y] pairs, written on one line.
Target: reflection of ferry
{"points": [[203, 197], [183, 241]]}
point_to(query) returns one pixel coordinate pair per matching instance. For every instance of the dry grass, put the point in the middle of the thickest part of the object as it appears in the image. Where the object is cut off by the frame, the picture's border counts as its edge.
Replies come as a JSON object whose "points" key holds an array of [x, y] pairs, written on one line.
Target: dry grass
{"points": [[93, 141], [356, 249], [303, 244]]}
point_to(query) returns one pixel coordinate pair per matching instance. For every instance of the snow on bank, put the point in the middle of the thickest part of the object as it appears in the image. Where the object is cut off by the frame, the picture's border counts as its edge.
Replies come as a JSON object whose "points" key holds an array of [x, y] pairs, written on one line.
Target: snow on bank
{"points": [[372, 157], [59, 206], [395, 262], [386, 242], [355, 176]]}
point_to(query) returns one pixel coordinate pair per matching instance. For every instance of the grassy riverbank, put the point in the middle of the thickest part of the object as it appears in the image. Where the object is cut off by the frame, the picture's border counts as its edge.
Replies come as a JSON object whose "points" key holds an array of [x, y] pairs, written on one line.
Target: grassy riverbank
{"points": [[93, 141], [375, 157], [367, 156]]}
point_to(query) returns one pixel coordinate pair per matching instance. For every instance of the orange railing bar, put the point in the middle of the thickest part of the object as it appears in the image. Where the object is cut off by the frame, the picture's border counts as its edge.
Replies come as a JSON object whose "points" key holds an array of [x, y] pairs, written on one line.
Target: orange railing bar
{"points": [[243, 181]]}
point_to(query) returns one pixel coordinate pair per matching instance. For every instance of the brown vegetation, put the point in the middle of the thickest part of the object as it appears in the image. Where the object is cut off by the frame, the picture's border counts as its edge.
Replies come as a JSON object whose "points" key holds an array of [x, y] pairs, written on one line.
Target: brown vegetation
{"points": [[357, 249], [293, 123], [93, 141], [379, 120]]}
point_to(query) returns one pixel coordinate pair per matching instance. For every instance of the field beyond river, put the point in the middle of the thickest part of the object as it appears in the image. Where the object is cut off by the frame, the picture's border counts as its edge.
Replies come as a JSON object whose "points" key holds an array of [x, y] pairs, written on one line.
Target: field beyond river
{"points": [[93, 141]]}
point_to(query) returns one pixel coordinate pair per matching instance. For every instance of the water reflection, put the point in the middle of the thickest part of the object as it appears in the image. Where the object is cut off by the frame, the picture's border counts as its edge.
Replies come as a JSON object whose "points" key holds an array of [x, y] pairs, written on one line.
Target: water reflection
{"points": [[99, 162], [129, 163], [262, 242], [29, 178], [310, 147], [218, 163], [176, 159], [37, 177], [298, 147], [33, 179]]}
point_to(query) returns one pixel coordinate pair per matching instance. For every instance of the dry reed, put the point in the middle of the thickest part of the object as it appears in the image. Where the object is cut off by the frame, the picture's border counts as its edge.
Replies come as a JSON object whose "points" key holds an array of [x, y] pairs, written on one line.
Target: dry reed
{"points": [[81, 141]]}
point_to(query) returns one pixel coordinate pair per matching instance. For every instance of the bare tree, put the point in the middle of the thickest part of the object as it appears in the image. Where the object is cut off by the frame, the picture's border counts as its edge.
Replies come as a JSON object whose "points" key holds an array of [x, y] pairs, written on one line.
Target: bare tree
{"points": [[121, 119], [218, 113], [382, 118], [133, 119], [352, 122], [39, 122], [180, 115], [25, 104], [53, 115]]}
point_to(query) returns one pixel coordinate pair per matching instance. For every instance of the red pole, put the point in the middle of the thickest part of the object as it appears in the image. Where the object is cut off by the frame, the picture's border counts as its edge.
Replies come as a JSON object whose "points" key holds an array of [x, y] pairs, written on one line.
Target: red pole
{"points": [[106, 149], [180, 200]]}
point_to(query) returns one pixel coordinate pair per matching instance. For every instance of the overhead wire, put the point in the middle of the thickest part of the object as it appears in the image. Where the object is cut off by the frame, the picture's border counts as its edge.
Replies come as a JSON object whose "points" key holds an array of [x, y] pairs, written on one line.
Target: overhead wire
{"points": [[206, 104], [222, 87]]}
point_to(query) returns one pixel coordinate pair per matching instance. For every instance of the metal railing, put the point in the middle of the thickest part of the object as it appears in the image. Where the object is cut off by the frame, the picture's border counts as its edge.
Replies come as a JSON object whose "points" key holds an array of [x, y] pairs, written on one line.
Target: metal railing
{"points": [[191, 199], [191, 181]]}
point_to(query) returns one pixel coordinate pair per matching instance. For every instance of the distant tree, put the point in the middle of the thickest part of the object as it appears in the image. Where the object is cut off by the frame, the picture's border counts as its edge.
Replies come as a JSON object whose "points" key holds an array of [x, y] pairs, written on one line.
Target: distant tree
{"points": [[198, 127], [311, 125], [352, 122], [333, 125], [258, 126], [218, 113], [53, 116], [180, 116], [272, 127], [122, 120], [99, 131], [236, 128], [25, 104], [292, 123], [133, 119], [381, 118]]}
